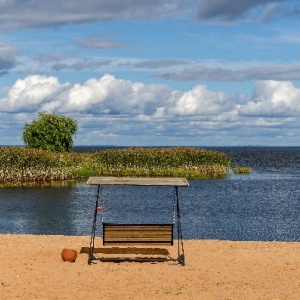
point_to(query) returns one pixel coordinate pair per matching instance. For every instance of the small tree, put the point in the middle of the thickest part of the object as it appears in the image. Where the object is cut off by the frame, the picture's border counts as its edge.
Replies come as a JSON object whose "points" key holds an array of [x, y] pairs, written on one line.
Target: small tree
{"points": [[50, 132]]}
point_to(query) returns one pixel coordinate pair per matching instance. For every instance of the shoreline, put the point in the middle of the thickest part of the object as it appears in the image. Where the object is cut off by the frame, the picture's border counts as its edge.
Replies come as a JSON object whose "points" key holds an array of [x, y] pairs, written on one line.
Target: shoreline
{"points": [[32, 268]]}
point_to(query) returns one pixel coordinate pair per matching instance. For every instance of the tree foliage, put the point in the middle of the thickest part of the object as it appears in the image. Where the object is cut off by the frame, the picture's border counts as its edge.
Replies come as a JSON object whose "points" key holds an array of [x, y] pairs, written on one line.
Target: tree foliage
{"points": [[50, 132]]}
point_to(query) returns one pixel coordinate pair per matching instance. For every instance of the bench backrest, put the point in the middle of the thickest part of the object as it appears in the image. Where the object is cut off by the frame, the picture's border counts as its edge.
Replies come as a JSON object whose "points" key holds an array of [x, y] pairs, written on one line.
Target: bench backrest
{"points": [[137, 234]]}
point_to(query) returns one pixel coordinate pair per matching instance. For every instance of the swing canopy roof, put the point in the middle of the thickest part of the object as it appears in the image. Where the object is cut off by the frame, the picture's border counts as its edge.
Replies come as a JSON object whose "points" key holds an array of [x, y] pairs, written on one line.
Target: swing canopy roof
{"points": [[144, 181]]}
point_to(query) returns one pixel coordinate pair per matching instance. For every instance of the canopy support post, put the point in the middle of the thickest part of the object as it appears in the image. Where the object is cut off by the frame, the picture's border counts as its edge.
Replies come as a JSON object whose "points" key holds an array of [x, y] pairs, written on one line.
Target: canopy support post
{"points": [[181, 257], [93, 234]]}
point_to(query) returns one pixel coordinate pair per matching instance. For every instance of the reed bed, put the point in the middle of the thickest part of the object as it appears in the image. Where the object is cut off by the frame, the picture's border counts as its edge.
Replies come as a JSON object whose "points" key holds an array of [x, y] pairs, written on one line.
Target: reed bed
{"points": [[153, 162], [23, 164], [18, 164], [242, 170]]}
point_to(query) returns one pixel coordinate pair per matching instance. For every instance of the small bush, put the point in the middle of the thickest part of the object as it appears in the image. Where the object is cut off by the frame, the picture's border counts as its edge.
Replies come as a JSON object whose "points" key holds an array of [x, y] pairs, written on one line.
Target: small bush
{"points": [[242, 170]]}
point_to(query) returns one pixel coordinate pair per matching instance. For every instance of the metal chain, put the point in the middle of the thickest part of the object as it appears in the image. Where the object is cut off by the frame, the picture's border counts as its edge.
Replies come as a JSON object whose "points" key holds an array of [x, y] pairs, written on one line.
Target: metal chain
{"points": [[174, 206]]}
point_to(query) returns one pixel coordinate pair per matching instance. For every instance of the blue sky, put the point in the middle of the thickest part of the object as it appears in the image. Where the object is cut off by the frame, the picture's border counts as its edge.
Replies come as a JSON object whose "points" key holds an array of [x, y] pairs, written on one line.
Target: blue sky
{"points": [[153, 73]]}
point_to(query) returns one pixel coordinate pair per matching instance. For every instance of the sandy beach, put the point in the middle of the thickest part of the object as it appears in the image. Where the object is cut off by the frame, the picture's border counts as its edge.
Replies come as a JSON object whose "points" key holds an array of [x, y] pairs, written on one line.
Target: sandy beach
{"points": [[32, 268]]}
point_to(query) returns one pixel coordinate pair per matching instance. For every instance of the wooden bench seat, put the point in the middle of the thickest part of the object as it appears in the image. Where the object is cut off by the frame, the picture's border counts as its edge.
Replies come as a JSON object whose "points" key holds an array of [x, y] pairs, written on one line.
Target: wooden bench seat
{"points": [[137, 234]]}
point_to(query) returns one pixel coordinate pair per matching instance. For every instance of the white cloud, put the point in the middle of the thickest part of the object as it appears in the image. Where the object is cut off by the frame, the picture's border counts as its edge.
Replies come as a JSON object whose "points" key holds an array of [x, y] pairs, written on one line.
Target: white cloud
{"points": [[106, 95], [122, 112], [273, 98], [31, 94], [200, 101], [109, 95]]}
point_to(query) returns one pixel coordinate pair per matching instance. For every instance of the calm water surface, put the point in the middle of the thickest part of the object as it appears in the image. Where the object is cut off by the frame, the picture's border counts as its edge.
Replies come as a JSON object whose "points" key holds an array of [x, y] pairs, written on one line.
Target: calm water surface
{"points": [[264, 205]]}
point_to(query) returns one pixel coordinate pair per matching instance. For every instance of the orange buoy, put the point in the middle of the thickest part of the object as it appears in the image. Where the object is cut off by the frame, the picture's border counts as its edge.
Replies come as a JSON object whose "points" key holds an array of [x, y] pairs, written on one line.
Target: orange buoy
{"points": [[99, 208], [69, 255]]}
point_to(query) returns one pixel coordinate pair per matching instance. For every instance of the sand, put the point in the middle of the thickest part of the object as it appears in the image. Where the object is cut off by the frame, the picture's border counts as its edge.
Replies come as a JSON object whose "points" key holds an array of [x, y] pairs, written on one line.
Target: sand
{"points": [[32, 268]]}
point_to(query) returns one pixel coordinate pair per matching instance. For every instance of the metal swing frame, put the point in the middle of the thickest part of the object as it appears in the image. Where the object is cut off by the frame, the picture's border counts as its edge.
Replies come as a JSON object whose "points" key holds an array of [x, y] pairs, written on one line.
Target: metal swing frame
{"points": [[138, 234]]}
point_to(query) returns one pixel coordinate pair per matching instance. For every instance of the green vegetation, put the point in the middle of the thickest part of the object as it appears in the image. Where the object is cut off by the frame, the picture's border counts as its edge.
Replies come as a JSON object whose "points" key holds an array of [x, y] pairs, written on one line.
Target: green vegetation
{"points": [[242, 170], [19, 164], [50, 132], [156, 162], [24, 164]]}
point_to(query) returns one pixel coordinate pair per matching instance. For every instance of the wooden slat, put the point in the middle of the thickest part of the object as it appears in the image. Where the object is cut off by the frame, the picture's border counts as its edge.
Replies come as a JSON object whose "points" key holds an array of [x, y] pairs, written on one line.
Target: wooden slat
{"points": [[136, 233], [144, 181]]}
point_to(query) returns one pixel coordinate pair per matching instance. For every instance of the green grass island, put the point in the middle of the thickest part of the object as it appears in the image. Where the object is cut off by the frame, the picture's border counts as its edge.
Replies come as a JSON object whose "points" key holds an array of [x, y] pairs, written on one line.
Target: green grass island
{"points": [[21, 165]]}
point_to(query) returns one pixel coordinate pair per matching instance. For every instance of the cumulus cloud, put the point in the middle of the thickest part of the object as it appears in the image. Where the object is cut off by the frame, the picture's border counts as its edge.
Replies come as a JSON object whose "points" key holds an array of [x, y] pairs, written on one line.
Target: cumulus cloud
{"points": [[273, 98], [125, 112], [111, 96], [30, 14], [201, 101], [114, 96], [31, 94], [106, 95]]}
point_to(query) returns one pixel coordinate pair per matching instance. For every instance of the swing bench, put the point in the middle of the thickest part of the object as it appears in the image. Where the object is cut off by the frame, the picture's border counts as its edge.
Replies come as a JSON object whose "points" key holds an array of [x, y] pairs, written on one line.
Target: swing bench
{"points": [[138, 234]]}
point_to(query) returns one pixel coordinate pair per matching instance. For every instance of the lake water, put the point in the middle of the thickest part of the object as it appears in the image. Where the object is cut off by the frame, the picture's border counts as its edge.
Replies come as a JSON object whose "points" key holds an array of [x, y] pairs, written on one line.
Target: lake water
{"points": [[262, 206]]}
